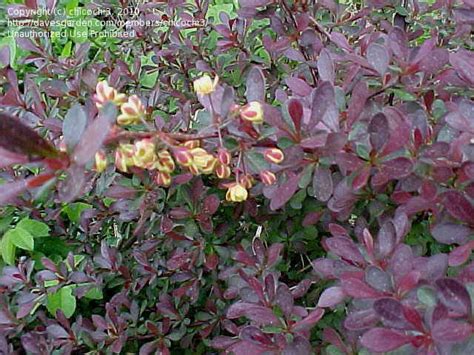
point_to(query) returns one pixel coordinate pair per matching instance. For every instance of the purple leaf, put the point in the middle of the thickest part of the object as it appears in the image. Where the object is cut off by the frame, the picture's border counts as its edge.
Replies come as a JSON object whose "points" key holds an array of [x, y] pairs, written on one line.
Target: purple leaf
{"points": [[358, 320], [255, 85], [358, 289], [295, 110], [331, 297], [10, 190], [309, 321], [379, 131], [346, 249], [458, 206], [323, 106], [397, 168], [325, 66], [378, 57], [259, 314], [391, 312], [74, 125], [450, 233], [298, 86], [94, 136], [463, 63], [322, 183], [454, 295], [383, 340], [284, 192], [451, 331], [17, 137]]}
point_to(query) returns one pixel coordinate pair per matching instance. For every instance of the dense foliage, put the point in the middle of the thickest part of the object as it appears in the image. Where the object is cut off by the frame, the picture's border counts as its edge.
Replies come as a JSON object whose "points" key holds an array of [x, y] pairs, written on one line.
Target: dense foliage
{"points": [[291, 177]]}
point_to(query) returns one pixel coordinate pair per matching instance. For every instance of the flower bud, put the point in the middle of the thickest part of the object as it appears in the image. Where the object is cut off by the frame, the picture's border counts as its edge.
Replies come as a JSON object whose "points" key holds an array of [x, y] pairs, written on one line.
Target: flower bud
{"points": [[183, 156], [204, 161], [195, 143], [204, 85], [224, 156], [145, 155], [246, 181], [131, 112], [163, 179], [267, 177], [236, 193], [124, 157], [273, 155], [100, 161], [193, 169], [165, 162], [222, 171], [105, 93], [252, 112]]}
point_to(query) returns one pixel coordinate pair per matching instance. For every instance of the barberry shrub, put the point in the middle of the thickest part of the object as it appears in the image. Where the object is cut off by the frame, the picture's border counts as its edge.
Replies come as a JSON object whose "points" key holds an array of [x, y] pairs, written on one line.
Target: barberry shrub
{"points": [[276, 177]]}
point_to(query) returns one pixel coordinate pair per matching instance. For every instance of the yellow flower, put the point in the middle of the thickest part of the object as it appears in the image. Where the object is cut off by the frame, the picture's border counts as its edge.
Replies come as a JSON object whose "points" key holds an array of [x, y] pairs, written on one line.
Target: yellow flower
{"points": [[106, 93], [145, 155], [204, 161], [204, 85], [132, 111], [124, 157], [100, 161], [222, 171], [252, 112], [236, 193], [165, 162], [163, 179]]}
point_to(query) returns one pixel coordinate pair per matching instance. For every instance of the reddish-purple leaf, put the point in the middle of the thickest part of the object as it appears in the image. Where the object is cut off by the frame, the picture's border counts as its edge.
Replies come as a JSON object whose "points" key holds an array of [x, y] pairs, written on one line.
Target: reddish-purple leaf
{"points": [[298, 86], [308, 322], [454, 295], [18, 138], [325, 66], [94, 136], [358, 289], [383, 340], [259, 314], [255, 85], [379, 131], [331, 297], [322, 183], [284, 192], [346, 249], [273, 253], [358, 320], [451, 331], [458, 206], [397, 168], [451, 233], [391, 312], [295, 109], [459, 255], [378, 57], [463, 63]]}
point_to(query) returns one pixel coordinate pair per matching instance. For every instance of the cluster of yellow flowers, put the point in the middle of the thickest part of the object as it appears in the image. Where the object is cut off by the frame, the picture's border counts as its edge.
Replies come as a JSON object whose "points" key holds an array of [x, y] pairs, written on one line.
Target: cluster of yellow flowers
{"points": [[252, 112], [145, 153], [132, 110]]}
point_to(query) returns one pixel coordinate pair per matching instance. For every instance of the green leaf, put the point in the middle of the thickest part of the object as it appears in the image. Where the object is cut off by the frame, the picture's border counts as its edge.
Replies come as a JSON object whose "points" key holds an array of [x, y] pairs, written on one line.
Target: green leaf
{"points": [[35, 228], [8, 250], [21, 238], [63, 300], [94, 293], [403, 95], [74, 210], [256, 161], [66, 52], [426, 296]]}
